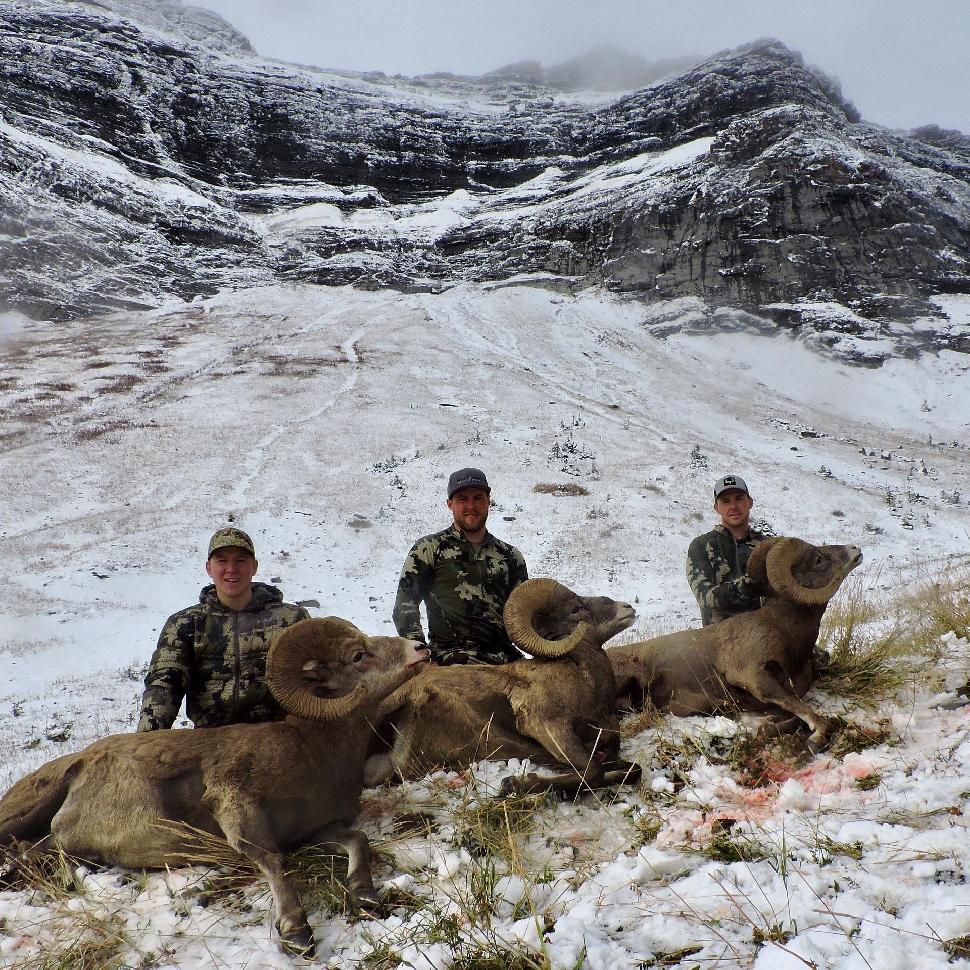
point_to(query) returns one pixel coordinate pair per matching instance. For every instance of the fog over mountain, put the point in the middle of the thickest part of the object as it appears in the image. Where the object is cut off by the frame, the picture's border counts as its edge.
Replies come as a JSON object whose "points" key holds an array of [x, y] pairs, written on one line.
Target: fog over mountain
{"points": [[903, 63]]}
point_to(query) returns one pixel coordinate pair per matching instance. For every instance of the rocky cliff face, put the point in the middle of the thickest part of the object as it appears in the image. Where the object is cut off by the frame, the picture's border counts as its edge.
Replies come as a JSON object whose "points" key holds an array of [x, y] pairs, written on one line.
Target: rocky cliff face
{"points": [[145, 151]]}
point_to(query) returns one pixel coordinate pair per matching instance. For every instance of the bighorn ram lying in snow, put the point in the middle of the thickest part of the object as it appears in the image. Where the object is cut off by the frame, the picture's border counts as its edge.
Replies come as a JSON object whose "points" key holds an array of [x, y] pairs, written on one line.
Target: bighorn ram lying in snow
{"points": [[266, 788], [754, 661], [558, 710]]}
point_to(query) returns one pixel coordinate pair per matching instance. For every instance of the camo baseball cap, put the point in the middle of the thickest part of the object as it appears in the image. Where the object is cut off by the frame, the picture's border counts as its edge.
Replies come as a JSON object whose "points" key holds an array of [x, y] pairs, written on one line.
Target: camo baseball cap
{"points": [[728, 482], [233, 537], [467, 478]]}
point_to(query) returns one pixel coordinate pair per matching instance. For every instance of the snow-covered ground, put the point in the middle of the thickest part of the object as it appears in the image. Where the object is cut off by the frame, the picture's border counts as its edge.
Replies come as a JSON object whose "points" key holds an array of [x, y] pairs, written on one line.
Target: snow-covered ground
{"points": [[325, 423]]}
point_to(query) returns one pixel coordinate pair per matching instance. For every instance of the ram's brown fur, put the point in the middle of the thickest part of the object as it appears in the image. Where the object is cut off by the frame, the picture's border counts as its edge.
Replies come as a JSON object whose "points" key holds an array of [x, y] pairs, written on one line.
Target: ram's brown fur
{"points": [[558, 710], [266, 788], [757, 661]]}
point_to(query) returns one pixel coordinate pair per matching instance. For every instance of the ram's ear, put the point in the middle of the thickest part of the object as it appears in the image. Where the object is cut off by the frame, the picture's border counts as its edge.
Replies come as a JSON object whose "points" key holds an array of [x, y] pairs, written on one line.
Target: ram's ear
{"points": [[758, 560]]}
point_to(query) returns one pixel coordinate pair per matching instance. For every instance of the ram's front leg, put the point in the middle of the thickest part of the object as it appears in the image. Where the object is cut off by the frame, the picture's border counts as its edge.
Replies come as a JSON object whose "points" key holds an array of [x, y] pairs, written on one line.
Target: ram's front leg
{"points": [[560, 741], [360, 883], [247, 831]]}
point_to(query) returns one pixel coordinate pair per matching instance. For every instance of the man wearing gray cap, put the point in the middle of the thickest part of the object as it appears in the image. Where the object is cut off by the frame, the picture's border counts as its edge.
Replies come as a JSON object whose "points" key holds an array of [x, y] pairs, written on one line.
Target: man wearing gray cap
{"points": [[717, 561], [214, 653], [463, 575]]}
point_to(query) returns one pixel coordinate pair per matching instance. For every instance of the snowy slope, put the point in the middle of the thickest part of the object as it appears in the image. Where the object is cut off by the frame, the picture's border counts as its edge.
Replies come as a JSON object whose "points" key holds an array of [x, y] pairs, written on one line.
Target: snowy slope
{"points": [[325, 421]]}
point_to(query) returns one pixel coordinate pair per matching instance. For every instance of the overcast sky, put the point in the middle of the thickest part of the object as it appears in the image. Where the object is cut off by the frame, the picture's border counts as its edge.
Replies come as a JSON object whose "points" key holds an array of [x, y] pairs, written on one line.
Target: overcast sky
{"points": [[902, 62]]}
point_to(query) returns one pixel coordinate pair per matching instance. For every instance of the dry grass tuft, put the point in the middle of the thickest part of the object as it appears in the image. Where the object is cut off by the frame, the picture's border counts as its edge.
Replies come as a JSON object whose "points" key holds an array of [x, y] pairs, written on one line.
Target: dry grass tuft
{"points": [[643, 720], [559, 488], [494, 827], [51, 872], [320, 876], [871, 647], [80, 940]]}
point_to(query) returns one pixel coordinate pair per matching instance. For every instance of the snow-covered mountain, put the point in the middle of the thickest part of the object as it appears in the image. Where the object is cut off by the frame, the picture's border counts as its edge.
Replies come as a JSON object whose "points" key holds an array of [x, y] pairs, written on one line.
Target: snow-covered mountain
{"points": [[746, 182]]}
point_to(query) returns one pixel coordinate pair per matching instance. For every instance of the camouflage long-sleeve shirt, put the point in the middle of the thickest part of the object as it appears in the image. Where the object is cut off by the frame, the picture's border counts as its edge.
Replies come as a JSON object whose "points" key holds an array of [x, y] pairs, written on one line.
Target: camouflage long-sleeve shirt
{"points": [[464, 590], [716, 565], [215, 658]]}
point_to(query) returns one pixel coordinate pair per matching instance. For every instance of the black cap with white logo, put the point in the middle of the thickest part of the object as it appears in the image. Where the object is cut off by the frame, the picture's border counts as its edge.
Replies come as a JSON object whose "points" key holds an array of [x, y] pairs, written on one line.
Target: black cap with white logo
{"points": [[728, 482]]}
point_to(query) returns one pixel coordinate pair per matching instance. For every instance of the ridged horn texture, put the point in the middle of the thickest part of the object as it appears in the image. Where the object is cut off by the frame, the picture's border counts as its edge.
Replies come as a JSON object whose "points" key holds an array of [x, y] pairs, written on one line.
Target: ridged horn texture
{"points": [[781, 559], [529, 598], [306, 642], [758, 559]]}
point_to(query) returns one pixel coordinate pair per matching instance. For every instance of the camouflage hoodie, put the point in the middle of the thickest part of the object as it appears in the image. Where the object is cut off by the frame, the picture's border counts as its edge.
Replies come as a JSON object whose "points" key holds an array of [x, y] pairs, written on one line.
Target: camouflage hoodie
{"points": [[464, 590], [215, 658], [716, 571]]}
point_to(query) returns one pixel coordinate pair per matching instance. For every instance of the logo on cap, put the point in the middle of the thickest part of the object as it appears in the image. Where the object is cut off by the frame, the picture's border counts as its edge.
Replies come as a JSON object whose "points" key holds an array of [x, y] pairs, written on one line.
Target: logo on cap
{"points": [[728, 482], [467, 478]]}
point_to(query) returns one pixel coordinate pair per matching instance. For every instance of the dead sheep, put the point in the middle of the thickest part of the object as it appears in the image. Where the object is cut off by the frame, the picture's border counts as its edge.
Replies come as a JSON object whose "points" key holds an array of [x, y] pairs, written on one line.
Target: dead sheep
{"points": [[758, 661], [265, 788], [557, 709]]}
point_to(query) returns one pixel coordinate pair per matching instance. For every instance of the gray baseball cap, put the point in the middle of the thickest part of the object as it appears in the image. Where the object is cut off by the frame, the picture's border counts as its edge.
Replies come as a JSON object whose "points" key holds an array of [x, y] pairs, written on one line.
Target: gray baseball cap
{"points": [[231, 537], [728, 482], [467, 478]]}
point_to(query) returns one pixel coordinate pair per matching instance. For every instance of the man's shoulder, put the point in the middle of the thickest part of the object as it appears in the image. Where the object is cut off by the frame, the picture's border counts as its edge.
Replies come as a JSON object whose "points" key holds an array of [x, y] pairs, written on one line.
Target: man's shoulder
{"points": [[434, 539], [189, 613], [505, 548], [714, 537]]}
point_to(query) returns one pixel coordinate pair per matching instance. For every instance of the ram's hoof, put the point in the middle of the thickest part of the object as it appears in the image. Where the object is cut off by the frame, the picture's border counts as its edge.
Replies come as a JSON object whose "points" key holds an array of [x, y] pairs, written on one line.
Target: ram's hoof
{"points": [[619, 772], [516, 785], [298, 941], [367, 901], [817, 741]]}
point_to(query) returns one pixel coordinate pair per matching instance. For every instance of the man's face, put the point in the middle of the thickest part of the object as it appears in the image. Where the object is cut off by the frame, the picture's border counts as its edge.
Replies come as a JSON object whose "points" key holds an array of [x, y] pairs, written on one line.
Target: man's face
{"points": [[469, 506], [232, 571], [734, 508]]}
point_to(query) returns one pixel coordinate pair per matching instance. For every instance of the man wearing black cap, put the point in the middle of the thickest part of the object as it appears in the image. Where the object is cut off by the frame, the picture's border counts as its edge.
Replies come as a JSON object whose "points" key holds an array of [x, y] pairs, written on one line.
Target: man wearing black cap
{"points": [[717, 561], [214, 653], [463, 575]]}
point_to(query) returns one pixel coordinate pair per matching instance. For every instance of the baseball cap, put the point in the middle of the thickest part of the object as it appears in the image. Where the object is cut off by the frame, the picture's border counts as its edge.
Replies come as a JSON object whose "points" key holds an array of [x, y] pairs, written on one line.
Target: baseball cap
{"points": [[729, 482], [467, 478], [231, 537]]}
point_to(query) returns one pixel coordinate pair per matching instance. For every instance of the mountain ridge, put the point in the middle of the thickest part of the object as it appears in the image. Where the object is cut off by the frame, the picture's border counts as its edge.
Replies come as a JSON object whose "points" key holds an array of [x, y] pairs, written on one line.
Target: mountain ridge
{"points": [[140, 165]]}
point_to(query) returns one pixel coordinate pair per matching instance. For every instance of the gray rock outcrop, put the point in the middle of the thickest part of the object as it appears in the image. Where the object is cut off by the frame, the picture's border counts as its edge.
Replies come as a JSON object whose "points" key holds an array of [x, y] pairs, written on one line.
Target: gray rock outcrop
{"points": [[146, 152]]}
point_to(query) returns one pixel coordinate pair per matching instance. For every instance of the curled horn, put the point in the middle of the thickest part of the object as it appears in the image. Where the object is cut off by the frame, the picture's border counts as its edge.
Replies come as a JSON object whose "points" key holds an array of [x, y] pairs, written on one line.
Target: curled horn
{"points": [[304, 643], [529, 598], [758, 559], [781, 558]]}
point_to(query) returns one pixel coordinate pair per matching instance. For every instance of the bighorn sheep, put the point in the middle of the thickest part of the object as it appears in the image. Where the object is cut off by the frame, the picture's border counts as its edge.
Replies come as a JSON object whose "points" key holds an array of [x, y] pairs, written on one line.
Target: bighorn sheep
{"points": [[754, 661], [556, 710], [266, 788]]}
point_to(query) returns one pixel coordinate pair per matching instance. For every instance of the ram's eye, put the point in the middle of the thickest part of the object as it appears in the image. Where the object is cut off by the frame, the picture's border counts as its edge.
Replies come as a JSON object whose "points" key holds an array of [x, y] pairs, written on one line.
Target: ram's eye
{"points": [[358, 656]]}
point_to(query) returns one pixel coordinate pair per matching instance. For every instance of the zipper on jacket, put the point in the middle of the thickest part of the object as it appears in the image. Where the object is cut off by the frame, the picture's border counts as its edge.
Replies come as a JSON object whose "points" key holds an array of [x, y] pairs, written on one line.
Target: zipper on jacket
{"points": [[237, 671]]}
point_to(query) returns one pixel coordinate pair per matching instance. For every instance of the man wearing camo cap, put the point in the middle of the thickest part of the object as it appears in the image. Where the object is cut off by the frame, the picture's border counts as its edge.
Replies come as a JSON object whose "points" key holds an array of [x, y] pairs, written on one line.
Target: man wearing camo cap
{"points": [[214, 653], [463, 575], [717, 561]]}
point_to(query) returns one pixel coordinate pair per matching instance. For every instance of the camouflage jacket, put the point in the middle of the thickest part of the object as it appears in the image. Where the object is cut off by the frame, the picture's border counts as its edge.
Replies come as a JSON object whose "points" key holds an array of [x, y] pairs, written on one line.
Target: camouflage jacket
{"points": [[716, 565], [215, 658], [464, 591]]}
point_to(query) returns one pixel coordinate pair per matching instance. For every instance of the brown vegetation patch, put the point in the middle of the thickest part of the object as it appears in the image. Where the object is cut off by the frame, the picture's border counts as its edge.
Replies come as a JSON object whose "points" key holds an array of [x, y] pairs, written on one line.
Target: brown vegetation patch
{"points": [[94, 431], [121, 384], [153, 367], [559, 488], [958, 948], [98, 364], [282, 366]]}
